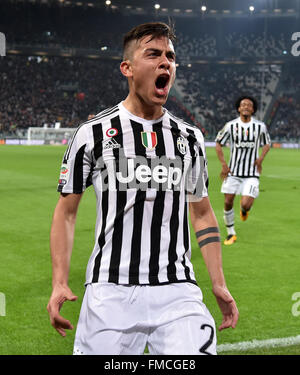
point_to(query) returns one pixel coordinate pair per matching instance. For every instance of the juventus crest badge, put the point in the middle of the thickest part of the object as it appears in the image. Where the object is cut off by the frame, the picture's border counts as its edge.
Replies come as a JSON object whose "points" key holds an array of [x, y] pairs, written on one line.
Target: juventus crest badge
{"points": [[182, 145]]}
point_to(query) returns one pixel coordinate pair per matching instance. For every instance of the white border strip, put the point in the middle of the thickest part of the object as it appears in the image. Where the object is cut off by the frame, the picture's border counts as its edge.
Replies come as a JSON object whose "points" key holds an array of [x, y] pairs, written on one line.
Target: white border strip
{"points": [[254, 344]]}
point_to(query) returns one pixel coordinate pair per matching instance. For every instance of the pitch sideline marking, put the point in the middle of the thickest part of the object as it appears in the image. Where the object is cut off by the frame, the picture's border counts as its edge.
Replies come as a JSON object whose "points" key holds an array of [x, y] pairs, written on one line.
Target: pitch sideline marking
{"points": [[254, 344], [282, 177]]}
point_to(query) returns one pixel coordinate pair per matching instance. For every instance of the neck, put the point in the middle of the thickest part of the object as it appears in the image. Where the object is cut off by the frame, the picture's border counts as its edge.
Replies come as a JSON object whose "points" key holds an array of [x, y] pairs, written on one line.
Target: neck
{"points": [[138, 107], [245, 118]]}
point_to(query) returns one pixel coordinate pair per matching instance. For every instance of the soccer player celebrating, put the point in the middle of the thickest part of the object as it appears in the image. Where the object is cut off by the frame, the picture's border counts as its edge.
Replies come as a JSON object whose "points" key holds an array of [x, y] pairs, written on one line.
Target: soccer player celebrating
{"points": [[146, 167], [245, 135]]}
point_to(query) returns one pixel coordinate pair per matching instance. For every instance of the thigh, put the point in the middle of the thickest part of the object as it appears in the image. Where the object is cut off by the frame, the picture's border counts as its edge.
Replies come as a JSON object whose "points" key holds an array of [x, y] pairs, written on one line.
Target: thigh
{"points": [[190, 331], [106, 323], [250, 187], [192, 335], [110, 342], [231, 185]]}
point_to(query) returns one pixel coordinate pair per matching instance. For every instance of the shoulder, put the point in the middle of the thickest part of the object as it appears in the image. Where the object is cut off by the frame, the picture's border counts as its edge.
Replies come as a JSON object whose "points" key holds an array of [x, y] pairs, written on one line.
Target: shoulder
{"points": [[227, 127], [186, 127], [89, 132], [88, 127], [102, 116], [261, 124], [233, 122], [228, 124]]}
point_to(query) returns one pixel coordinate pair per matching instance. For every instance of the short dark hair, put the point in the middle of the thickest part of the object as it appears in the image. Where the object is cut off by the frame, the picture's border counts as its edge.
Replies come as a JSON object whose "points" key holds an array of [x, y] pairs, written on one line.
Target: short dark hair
{"points": [[155, 29], [238, 102]]}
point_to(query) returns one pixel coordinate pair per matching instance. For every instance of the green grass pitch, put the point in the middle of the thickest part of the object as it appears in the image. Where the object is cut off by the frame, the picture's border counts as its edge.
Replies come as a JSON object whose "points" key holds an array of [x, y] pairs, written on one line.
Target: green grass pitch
{"points": [[261, 268]]}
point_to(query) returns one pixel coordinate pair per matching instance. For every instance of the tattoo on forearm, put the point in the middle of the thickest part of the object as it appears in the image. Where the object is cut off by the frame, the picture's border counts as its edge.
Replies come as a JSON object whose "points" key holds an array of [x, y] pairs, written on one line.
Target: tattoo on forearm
{"points": [[206, 231], [209, 240]]}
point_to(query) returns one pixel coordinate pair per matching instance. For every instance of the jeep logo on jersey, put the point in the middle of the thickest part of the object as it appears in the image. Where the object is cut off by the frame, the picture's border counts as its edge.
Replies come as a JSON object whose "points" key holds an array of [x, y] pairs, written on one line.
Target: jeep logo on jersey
{"points": [[245, 145], [158, 173], [142, 174], [149, 140], [182, 145]]}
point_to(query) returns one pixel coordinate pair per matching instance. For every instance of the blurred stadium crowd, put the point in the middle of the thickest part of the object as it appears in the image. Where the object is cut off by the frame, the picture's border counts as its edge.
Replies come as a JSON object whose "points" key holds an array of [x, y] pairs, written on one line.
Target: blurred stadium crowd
{"points": [[48, 89]]}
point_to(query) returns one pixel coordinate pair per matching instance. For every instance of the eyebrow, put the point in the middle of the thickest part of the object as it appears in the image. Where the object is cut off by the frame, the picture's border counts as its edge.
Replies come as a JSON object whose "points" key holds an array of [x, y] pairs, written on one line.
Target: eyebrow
{"points": [[156, 50]]}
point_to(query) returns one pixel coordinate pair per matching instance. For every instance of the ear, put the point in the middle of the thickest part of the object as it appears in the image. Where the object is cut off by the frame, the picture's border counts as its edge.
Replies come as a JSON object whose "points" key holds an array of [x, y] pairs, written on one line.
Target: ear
{"points": [[126, 68]]}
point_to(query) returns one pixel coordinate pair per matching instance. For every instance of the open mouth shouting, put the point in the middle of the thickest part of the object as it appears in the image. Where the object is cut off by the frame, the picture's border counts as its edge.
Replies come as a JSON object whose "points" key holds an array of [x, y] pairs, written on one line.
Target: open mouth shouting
{"points": [[161, 84]]}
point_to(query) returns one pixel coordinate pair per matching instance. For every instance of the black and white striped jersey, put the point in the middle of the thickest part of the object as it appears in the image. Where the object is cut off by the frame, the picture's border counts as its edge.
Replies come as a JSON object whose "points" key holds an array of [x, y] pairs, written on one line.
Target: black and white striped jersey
{"points": [[144, 173], [244, 139]]}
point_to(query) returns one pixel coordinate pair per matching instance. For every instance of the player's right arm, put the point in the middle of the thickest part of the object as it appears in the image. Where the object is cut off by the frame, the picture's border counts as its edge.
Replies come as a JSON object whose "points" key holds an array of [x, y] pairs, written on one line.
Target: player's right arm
{"points": [[225, 169], [73, 180], [61, 244], [221, 139]]}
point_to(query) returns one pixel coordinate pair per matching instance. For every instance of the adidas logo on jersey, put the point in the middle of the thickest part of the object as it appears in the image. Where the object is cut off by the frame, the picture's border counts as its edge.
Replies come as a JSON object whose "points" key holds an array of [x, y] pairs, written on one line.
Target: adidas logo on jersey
{"points": [[110, 144]]}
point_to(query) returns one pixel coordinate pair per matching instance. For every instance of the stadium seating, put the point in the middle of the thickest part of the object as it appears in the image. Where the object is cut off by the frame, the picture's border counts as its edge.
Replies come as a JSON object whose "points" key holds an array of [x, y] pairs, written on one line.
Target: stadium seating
{"points": [[45, 89]]}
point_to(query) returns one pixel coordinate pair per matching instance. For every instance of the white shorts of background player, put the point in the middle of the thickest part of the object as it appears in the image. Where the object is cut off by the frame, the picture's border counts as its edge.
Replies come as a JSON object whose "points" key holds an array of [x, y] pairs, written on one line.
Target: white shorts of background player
{"points": [[241, 186]]}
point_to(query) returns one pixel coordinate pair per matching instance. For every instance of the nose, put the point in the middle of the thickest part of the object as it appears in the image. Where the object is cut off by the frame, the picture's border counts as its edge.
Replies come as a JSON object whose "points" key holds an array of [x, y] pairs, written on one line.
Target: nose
{"points": [[164, 62]]}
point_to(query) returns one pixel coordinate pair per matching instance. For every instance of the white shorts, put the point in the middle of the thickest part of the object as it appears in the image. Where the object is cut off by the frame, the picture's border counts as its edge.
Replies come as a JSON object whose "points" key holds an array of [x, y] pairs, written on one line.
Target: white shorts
{"points": [[121, 320], [241, 186]]}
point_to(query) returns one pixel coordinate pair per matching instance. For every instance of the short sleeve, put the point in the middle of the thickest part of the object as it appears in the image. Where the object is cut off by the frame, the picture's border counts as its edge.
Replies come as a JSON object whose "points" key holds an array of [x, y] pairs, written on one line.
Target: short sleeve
{"points": [[198, 174], [77, 164], [223, 135], [264, 136]]}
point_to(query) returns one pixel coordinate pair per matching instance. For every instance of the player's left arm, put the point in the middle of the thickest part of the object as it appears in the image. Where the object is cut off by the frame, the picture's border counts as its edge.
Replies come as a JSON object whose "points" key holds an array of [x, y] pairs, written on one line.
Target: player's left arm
{"points": [[266, 145], [258, 162], [206, 228]]}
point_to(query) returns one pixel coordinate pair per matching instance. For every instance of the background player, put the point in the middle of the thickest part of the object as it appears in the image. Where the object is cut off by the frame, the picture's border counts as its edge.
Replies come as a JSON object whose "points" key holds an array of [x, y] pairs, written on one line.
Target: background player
{"points": [[245, 135], [140, 284]]}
